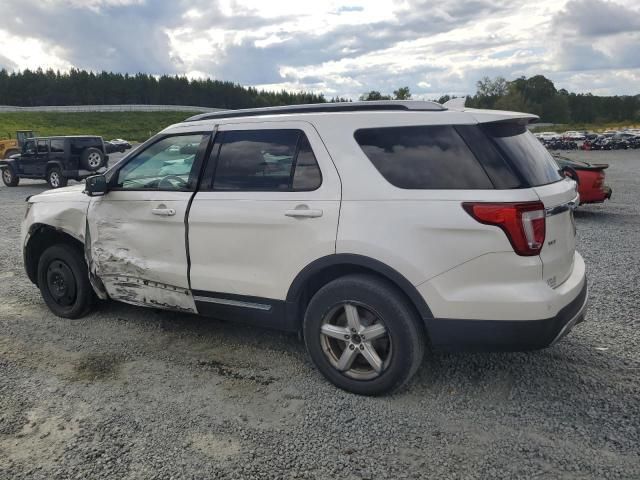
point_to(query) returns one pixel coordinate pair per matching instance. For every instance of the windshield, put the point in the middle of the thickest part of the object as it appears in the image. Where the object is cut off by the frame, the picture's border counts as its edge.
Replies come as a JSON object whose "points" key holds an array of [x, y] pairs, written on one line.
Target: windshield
{"points": [[525, 152]]}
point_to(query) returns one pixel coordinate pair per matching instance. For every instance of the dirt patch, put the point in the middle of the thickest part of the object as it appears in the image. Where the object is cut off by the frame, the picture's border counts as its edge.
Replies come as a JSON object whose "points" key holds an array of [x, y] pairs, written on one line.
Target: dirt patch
{"points": [[214, 446], [97, 367], [233, 373]]}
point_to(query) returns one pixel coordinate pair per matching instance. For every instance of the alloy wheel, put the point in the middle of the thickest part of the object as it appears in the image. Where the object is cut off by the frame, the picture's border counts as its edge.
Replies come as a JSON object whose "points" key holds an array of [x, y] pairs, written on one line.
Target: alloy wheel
{"points": [[356, 341], [54, 179], [93, 160]]}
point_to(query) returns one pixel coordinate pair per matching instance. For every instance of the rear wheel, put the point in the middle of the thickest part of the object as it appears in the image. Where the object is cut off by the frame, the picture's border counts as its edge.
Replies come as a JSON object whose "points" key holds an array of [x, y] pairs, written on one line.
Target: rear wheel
{"points": [[92, 159], [63, 280], [363, 335], [55, 178], [9, 178]]}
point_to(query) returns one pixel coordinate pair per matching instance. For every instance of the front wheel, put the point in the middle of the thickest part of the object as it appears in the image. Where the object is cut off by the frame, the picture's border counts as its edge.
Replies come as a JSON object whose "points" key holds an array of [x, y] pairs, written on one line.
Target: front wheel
{"points": [[55, 178], [363, 335], [63, 280], [9, 178]]}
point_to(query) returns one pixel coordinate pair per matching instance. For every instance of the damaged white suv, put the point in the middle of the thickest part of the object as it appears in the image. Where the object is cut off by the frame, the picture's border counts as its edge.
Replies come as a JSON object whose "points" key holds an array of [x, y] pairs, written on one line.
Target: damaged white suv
{"points": [[371, 227]]}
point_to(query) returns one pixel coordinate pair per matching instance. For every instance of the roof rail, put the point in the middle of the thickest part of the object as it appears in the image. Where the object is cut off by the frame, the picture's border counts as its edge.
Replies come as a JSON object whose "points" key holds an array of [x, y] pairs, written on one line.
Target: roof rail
{"points": [[376, 105]]}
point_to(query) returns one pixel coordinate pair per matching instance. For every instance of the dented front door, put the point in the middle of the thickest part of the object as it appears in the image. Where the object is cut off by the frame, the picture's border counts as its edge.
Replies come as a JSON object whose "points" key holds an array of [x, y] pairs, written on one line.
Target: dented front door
{"points": [[137, 230]]}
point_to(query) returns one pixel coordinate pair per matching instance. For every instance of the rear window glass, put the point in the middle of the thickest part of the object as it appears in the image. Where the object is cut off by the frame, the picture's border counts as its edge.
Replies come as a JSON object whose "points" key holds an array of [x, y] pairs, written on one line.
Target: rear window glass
{"points": [[423, 157], [525, 152], [57, 145]]}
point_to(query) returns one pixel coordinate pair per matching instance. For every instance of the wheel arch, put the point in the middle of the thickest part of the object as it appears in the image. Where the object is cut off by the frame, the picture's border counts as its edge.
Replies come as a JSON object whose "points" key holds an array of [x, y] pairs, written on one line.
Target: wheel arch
{"points": [[51, 164], [323, 270], [40, 237], [8, 163]]}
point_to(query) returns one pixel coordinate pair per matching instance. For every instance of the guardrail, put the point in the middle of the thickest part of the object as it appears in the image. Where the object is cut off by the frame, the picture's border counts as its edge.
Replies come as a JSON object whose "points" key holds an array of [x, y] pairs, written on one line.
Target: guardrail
{"points": [[108, 108]]}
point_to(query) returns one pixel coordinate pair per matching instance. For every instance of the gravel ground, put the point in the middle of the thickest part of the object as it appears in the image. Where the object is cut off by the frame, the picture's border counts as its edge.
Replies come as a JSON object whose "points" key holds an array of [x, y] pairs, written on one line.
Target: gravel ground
{"points": [[136, 393]]}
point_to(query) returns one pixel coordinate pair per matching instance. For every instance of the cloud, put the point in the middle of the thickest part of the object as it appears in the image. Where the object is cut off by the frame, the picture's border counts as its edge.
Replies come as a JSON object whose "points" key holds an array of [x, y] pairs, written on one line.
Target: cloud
{"points": [[332, 47], [7, 64], [594, 18], [596, 35]]}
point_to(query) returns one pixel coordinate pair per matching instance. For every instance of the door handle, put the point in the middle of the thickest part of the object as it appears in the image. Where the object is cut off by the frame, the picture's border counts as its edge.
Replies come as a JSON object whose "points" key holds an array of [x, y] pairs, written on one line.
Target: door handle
{"points": [[164, 212], [303, 211]]}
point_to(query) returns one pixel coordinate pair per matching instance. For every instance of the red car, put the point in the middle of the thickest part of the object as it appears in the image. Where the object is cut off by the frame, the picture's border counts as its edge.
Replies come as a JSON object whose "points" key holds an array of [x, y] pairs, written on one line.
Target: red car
{"points": [[590, 178]]}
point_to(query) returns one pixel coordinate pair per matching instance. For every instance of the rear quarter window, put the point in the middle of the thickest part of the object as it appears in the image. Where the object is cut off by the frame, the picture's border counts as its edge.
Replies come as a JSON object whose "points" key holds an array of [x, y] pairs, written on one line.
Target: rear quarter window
{"points": [[423, 157], [525, 153]]}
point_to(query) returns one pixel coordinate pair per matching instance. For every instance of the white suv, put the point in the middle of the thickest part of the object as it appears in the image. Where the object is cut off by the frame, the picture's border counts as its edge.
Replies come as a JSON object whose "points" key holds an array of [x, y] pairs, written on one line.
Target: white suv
{"points": [[372, 228]]}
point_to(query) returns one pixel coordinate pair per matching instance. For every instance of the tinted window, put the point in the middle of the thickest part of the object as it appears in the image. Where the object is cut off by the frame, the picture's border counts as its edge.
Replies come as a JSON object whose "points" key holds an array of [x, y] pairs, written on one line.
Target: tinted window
{"points": [[29, 146], [43, 146], [265, 160], [525, 152], [164, 165], [306, 175], [492, 160], [433, 157], [57, 145]]}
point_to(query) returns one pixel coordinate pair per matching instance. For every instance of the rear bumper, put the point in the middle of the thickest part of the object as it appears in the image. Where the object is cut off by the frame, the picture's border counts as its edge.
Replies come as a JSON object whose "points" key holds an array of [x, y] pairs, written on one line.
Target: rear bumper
{"points": [[597, 196], [507, 335]]}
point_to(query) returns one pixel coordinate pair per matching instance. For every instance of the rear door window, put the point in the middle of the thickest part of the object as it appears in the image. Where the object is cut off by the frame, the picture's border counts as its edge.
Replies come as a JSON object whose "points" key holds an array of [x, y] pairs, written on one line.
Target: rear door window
{"points": [[266, 160], [423, 157], [43, 146], [57, 145]]}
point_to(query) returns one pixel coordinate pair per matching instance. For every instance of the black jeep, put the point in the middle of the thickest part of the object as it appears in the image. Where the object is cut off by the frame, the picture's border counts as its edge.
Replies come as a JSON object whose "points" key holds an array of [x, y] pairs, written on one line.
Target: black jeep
{"points": [[56, 160]]}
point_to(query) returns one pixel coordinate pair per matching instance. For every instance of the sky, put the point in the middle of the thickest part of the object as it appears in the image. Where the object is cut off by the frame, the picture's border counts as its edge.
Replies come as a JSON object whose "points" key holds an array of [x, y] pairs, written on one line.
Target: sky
{"points": [[339, 48]]}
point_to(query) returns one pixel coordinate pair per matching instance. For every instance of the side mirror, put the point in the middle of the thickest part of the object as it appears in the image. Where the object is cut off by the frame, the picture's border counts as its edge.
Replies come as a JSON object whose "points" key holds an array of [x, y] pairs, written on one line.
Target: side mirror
{"points": [[95, 186]]}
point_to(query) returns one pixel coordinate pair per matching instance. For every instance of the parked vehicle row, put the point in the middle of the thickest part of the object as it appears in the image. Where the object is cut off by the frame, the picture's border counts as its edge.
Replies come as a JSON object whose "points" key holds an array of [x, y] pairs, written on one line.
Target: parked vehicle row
{"points": [[560, 144], [618, 141], [368, 227]]}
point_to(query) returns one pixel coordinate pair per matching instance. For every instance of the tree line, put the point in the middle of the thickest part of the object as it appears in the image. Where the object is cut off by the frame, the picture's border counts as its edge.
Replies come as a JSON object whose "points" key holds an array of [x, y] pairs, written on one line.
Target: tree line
{"points": [[29, 88], [536, 94], [539, 95]]}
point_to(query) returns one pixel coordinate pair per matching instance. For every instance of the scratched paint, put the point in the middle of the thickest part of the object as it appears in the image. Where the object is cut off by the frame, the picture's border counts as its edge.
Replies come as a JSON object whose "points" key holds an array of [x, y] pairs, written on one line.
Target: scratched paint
{"points": [[124, 267]]}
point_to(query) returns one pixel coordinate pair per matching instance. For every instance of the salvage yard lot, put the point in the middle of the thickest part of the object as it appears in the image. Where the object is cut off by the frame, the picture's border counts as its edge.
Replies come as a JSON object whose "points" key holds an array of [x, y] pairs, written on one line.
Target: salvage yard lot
{"points": [[136, 393]]}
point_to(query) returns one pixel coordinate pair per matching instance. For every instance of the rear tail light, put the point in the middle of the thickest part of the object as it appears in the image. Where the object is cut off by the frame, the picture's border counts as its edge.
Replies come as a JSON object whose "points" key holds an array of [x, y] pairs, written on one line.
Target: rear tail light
{"points": [[523, 223]]}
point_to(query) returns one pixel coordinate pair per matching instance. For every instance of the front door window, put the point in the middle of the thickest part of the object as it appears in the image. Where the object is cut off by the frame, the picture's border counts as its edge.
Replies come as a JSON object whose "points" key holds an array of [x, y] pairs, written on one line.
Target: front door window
{"points": [[164, 165]]}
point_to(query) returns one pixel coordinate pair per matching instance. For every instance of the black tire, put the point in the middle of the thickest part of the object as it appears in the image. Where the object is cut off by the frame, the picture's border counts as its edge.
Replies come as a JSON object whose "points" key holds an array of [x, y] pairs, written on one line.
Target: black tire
{"points": [[55, 178], [371, 295], [9, 178], [63, 280], [92, 159]]}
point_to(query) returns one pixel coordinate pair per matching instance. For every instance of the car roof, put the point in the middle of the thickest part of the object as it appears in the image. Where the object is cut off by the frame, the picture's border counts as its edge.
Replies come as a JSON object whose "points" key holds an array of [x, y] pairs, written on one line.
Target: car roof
{"points": [[393, 110]]}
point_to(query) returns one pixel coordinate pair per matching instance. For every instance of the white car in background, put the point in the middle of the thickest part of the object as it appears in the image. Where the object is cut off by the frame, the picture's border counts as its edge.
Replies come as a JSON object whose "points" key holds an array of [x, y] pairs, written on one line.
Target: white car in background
{"points": [[573, 135], [548, 135], [370, 227]]}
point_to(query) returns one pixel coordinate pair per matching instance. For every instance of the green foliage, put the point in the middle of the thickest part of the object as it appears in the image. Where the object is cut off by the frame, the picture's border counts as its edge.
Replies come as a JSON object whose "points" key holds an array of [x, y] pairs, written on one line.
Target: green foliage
{"points": [[135, 126], [538, 95], [489, 91], [403, 93], [374, 95], [79, 87]]}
